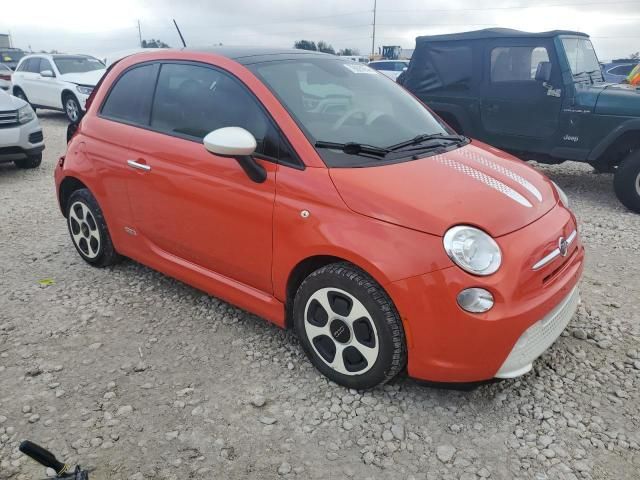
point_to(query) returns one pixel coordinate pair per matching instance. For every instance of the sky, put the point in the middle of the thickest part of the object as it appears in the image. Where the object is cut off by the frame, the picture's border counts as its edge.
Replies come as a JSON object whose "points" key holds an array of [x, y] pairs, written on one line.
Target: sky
{"points": [[102, 27]]}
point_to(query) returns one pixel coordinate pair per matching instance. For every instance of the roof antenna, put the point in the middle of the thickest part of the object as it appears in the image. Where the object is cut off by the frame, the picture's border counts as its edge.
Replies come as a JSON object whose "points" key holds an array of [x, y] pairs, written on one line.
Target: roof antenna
{"points": [[184, 44]]}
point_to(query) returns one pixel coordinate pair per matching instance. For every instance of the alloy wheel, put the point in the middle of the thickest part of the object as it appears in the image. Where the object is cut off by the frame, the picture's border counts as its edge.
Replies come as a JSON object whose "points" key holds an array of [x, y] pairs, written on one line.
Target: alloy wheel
{"points": [[341, 331], [84, 230], [72, 109]]}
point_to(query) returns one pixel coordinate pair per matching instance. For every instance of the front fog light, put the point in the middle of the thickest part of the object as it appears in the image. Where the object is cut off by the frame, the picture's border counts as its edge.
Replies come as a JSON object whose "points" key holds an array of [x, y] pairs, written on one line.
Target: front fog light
{"points": [[475, 300]]}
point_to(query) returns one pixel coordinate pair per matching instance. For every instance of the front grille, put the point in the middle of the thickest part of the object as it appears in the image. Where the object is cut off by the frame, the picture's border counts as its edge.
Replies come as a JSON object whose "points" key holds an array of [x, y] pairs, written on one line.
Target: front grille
{"points": [[539, 336], [36, 137], [8, 118]]}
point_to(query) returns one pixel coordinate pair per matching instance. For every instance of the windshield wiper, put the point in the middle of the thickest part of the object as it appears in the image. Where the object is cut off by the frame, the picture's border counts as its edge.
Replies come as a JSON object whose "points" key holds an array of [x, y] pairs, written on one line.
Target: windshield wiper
{"points": [[352, 148], [424, 138]]}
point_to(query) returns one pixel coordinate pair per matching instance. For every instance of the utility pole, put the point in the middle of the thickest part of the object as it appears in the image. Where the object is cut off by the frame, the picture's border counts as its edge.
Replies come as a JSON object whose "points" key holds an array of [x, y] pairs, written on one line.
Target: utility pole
{"points": [[373, 41], [139, 35]]}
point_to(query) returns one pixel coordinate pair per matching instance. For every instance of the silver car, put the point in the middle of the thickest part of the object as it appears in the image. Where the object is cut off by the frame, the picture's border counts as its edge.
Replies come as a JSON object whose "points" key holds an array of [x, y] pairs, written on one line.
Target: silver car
{"points": [[21, 139]]}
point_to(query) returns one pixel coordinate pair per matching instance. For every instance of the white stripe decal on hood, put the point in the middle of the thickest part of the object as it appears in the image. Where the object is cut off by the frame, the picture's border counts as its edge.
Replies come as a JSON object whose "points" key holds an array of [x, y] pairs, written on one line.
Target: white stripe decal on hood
{"points": [[504, 171], [486, 179]]}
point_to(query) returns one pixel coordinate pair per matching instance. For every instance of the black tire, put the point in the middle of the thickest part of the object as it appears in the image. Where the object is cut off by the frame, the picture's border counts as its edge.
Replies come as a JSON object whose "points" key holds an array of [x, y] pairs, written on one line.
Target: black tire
{"points": [[97, 248], [71, 107], [626, 181], [387, 336], [33, 161], [18, 93]]}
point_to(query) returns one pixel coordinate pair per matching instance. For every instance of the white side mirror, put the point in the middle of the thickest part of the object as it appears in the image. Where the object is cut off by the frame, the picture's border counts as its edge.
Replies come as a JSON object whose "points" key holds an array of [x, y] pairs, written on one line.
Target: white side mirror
{"points": [[46, 73], [230, 142]]}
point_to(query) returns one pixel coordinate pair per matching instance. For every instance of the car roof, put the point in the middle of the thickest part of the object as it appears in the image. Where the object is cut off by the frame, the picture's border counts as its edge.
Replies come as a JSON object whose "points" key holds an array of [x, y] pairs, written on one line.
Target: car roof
{"points": [[249, 55], [488, 33]]}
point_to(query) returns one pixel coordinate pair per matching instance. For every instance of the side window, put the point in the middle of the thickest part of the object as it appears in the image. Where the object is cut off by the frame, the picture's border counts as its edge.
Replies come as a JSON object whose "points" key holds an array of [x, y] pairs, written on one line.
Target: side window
{"points": [[376, 66], [32, 65], [194, 100], [516, 64], [130, 98], [45, 65], [621, 70]]}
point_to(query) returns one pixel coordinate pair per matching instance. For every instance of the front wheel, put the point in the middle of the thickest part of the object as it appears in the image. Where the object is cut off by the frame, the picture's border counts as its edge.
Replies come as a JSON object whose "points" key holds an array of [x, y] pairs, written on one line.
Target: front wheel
{"points": [[33, 161], [72, 108], [349, 327], [88, 230], [626, 182]]}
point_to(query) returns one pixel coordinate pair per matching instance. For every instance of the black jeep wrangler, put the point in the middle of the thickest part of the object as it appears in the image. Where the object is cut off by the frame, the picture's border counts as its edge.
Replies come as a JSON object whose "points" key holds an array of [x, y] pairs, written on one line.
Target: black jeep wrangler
{"points": [[540, 96]]}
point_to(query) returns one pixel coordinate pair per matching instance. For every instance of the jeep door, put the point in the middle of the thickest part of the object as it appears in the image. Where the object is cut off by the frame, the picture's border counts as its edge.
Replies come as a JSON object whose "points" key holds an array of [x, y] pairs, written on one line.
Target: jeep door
{"points": [[192, 207], [518, 111]]}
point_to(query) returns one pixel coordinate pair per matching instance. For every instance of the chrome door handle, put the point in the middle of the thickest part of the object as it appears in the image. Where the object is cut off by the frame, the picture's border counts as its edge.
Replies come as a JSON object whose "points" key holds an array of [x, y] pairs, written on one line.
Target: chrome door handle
{"points": [[139, 166]]}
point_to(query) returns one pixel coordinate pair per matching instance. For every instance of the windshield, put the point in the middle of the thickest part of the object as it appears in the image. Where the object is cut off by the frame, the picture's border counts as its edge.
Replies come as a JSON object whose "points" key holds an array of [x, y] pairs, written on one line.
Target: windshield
{"points": [[77, 64], [582, 59], [341, 102]]}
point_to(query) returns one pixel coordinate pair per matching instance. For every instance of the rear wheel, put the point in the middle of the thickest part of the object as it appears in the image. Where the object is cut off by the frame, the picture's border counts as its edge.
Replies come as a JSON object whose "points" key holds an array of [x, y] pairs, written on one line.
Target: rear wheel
{"points": [[88, 230], [32, 161], [349, 327], [18, 93], [626, 181]]}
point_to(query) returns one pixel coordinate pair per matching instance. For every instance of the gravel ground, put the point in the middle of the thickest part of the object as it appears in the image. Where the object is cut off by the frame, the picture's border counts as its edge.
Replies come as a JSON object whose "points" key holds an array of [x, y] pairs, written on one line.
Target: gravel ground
{"points": [[140, 376]]}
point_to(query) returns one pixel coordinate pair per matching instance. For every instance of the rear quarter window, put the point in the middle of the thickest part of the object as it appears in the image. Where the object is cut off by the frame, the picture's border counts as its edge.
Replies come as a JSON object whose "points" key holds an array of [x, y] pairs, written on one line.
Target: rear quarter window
{"points": [[130, 97]]}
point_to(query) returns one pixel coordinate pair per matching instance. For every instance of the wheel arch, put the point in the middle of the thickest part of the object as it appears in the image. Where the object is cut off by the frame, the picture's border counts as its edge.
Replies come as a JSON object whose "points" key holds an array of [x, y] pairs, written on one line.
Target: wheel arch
{"points": [[65, 93], [620, 141], [306, 267], [454, 115], [67, 187]]}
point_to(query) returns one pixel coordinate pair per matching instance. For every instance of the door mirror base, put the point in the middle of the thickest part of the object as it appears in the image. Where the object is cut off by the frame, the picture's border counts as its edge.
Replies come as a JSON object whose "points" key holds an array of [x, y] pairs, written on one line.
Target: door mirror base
{"points": [[253, 169]]}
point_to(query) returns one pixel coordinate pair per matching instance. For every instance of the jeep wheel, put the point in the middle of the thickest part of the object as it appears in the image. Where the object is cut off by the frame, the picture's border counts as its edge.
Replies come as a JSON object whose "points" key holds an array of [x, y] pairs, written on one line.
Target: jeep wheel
{"points": [[349, 327], [626, 181]]}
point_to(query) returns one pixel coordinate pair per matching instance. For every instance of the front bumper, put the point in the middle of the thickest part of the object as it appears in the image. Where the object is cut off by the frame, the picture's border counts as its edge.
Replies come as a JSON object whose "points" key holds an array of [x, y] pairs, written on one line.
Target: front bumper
{"points": [[448, 344], [20, 141], [538, 337]]}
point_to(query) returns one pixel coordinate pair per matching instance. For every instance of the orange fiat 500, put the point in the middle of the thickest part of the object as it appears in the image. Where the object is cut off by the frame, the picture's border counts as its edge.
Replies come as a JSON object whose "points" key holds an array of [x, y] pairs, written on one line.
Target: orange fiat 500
{"points": [[320, 195]]}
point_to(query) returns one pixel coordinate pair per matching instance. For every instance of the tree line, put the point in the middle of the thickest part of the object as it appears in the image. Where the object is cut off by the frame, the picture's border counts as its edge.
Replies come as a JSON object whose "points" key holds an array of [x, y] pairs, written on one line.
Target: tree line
{"points": [[324, 47]]}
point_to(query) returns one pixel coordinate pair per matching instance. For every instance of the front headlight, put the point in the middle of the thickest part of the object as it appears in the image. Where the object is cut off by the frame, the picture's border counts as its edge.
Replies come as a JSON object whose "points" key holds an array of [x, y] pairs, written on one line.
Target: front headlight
{"points": [[563, 196], [26, 114], [472, 250], [84, 90]]}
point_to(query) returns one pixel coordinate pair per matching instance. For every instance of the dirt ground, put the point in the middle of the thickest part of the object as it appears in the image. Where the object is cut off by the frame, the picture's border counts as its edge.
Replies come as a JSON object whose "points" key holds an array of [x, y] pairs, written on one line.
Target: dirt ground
{"points": [[139, 376]]}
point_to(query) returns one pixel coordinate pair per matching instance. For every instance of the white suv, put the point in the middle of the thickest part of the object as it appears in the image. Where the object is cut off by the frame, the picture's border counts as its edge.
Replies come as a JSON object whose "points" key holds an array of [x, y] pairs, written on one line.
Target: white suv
{"points": [[21, 140], [57, 82]]}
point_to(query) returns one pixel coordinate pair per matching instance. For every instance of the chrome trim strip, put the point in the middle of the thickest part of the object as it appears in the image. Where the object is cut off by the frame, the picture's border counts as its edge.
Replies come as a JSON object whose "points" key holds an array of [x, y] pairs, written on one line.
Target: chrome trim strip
{"points": [[556, 253]]}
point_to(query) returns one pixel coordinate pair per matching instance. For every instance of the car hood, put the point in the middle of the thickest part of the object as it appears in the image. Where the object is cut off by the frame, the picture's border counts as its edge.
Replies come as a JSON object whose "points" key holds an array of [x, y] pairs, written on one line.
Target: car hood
{"points": [[86, 78], [473, 185], [9, 102], [619, 99]]}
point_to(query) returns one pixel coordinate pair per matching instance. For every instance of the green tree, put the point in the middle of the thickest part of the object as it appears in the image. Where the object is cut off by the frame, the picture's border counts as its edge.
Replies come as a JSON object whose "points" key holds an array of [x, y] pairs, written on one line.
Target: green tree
{"points": [[153, 43], [305, 45], [349, 52], [325, 47]]}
